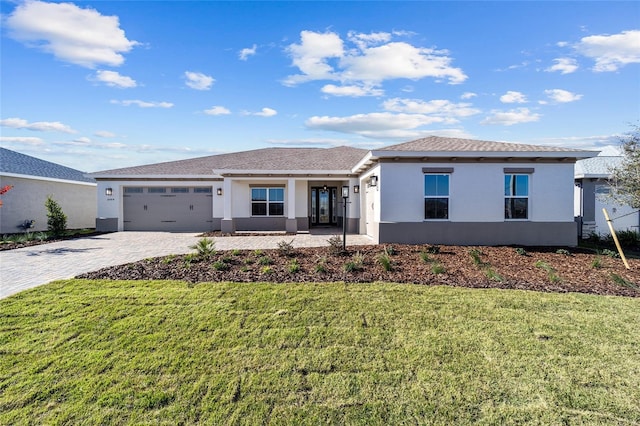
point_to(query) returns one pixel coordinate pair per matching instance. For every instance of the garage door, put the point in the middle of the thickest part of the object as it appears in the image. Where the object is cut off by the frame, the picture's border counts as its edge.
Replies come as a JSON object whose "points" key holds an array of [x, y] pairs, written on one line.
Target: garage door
{"points": [[167, 209]]}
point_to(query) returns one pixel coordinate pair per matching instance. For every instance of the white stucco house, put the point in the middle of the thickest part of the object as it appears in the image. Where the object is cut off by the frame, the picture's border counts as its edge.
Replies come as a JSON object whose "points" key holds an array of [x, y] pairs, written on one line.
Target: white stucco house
{"points": [[432, 190], [33, 180], [592, 186]]}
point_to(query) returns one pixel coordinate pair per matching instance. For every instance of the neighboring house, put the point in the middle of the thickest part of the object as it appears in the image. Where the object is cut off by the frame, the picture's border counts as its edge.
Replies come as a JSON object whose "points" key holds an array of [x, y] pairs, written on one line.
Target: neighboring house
{"points": [[592, 188], [433, 190], [33, 180]]}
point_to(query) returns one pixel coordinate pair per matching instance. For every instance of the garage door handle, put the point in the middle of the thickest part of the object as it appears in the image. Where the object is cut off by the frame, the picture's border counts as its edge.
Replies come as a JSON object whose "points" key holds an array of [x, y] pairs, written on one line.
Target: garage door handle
{"points": [[191, 207], [145, 207]]}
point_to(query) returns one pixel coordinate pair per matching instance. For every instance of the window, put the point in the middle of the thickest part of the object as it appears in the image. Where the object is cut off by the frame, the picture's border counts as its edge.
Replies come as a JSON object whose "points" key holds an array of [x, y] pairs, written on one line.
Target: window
{"points": [[179, 190], [156, 190], [133, 190], [436, 196], [516, 196], [202, 190], [267, 201]]}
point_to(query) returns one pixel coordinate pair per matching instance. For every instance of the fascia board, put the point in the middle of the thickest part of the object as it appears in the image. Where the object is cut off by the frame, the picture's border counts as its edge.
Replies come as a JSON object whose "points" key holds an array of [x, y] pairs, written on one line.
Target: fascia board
{"points": [[138, 177], [251, 173], [48, 179], [487, 154]]}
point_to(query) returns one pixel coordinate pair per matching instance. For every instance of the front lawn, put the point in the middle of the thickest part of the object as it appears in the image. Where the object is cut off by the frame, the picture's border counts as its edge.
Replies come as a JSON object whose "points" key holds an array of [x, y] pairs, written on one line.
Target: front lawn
{"points": [[167, 352]]}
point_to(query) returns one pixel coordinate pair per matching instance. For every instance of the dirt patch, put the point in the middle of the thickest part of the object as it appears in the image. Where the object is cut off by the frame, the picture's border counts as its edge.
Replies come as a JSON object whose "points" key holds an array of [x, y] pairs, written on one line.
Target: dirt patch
{"points": [[540, 269]]}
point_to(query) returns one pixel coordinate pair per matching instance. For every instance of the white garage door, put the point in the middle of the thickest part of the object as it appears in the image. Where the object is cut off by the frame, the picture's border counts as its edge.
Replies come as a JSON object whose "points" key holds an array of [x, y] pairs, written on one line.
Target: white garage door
{"points": [[168, 209]]}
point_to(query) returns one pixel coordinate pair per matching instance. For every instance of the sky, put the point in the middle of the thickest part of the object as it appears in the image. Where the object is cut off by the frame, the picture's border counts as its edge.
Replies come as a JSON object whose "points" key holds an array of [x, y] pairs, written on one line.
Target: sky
{"points": [[97, 85]]}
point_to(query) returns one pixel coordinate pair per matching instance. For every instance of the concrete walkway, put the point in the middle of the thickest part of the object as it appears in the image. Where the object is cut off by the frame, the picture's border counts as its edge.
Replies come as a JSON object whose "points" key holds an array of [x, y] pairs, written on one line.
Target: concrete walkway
{"points": [[30, 267]]}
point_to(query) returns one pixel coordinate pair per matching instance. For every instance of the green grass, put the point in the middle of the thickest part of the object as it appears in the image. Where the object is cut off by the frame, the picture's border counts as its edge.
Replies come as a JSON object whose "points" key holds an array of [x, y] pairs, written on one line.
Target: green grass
{"points": [[166, 352]]}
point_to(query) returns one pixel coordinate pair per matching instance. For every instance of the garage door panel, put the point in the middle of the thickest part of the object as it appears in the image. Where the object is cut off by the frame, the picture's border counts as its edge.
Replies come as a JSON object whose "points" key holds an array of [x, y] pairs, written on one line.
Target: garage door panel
{"points": [[167, 211]]}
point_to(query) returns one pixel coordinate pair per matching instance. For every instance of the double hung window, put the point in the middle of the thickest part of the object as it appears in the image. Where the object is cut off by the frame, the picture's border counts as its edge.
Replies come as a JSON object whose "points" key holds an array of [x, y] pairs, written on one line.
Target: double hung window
{"points": [[267, 201], [516, 196], [436, 196]]}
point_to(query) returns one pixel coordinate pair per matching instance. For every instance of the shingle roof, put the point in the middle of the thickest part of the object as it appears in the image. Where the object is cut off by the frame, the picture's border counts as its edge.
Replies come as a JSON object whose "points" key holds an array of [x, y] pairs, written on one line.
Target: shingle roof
{"points": [[596, 167], [21, 164], [442, 144], [320, 159]]}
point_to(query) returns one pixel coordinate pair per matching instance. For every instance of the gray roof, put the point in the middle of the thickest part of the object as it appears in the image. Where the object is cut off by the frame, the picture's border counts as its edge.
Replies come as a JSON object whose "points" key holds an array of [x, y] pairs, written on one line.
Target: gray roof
{"points": [[295, 159], [442, 144], [596, 167], [21, 164]]}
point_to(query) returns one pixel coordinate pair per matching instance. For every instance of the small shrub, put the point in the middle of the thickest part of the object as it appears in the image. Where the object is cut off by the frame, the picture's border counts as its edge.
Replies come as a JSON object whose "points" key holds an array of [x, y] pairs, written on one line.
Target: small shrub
{"points": [[258, 253], [236, 252], [335, 244], [610, 253], [220, 266], [167, 259], [56, 219], [424, 256], [564, 252], [385, 261], [266, 270], [390, 250], [205, 248], [244, 269], [493, 275], [41, 236], [294, 266], [227, 259], [286, 248], [521, 251], [437, 269], [433, 249], [248, 261], [623, 282], [597, 263], [628, 238], [321, 266], [475, 257], [265, 260], [356, 263], [551, 272]]}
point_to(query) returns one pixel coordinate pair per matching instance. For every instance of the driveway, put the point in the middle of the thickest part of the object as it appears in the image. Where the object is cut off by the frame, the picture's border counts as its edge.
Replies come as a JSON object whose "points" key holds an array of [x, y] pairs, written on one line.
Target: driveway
{"points": [[30, 267]]}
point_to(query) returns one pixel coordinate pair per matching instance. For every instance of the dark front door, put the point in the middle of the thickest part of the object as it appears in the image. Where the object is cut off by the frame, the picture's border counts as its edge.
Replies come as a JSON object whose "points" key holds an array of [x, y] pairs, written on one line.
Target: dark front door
{"points": [[323, 206]]}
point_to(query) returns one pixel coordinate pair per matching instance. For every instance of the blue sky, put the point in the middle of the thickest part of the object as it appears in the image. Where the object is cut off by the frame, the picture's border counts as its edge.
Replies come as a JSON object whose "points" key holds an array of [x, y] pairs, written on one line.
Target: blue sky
{"points": [[108, 84]]}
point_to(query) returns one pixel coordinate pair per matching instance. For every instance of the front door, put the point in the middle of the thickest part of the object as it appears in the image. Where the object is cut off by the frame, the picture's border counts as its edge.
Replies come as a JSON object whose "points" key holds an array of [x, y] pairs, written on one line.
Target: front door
{"points": [[323, 206]]}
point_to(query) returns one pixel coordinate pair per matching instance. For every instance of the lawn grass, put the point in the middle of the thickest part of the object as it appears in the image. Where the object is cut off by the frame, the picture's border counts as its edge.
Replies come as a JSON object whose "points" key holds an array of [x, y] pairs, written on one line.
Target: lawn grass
{"points": [[165, 352]]}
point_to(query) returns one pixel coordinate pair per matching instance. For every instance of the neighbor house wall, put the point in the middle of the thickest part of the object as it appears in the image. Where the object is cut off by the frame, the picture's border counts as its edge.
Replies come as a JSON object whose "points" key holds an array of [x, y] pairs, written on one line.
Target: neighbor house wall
{"points": [[26, 201], [476, 205], [623, 217]]}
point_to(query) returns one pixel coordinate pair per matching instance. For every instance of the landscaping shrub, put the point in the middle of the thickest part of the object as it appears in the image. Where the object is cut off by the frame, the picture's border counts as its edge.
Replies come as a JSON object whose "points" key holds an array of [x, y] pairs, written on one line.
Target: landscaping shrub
{"points": [[56, 219], [286, 248], [335, 244], [205, 248]]}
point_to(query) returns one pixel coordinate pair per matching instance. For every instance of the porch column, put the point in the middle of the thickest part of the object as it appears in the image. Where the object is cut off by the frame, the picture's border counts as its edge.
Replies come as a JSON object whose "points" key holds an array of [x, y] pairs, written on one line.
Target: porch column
{"points": [[292, 222], [227, 225]]}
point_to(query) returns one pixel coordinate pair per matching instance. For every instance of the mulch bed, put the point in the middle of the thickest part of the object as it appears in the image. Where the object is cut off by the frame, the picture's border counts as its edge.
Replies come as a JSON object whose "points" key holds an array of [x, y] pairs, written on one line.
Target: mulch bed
{"points": [[539, 269], [10, 245]]}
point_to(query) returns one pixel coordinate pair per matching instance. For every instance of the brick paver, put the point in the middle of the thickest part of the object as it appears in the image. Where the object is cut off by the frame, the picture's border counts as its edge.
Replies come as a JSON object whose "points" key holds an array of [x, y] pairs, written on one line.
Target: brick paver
{"points": [[30, 267]]}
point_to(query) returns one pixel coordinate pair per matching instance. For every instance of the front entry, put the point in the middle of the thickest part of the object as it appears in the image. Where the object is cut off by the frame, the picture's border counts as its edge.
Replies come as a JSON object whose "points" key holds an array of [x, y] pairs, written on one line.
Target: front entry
{"points": [[323, 206]]}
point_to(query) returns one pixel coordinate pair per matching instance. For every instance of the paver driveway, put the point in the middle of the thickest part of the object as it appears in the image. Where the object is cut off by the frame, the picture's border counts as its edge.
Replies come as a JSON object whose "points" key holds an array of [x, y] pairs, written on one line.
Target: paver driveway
{"points": [[29, 267]]}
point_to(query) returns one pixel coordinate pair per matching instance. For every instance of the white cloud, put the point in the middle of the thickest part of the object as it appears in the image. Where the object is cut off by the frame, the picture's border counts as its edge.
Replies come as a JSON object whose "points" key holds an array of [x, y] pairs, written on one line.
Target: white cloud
{"points": [[468, 95], [143, 104], [198, 81], [114, 79], [266, 112], [438, 107], [379, 124], [80, 36], [309, 142], [322, 56], [353, 91], [105, 134], [512, 97], [509, 118], [22, 140], [217, 110], [611, 52], [564, 65], [246, 52], [562, 96], [41, 126]]}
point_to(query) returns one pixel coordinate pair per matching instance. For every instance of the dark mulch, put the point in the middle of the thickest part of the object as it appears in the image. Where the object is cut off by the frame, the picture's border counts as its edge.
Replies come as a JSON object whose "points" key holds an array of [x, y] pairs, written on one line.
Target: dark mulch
{"points": [[10, 245], [540, 269]]}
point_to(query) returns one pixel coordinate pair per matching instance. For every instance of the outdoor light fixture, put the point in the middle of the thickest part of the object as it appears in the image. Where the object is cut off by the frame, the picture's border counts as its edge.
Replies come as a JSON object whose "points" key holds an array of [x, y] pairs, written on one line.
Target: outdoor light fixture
{"points": [[324, 188], [345, 192], [356, 189], [219, 191], [373, 181], [108, 192]]}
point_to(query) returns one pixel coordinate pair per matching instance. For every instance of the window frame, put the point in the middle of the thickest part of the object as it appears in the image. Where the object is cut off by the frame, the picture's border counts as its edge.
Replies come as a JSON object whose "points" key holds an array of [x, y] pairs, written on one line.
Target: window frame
{"points": [[268, 202], [512, 197], [442, 173]]}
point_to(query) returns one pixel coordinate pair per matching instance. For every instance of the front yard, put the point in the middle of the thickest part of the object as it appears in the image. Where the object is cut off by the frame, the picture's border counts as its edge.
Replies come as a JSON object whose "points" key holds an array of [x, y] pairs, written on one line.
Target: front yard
{"points": [[171, 352]]}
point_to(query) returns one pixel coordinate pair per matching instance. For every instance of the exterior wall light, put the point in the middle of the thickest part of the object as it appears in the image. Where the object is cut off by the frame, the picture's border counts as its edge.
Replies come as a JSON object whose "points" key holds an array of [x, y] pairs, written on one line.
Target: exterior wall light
{"points": [[219, 191], [356, 189], [108, 192], [373, 181]]}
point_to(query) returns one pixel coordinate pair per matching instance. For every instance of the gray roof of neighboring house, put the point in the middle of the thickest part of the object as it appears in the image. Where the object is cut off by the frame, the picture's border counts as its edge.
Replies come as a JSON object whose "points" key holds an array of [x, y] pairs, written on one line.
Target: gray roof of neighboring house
{"points": [[439, 144], [21, 164], [295, 159], [596, 167]]}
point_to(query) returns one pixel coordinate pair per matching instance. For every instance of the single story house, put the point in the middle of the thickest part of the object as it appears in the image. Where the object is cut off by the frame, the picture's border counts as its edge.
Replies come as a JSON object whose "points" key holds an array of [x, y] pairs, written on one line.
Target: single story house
{"points": [[432, 190], [592, 186], [33, 180]]}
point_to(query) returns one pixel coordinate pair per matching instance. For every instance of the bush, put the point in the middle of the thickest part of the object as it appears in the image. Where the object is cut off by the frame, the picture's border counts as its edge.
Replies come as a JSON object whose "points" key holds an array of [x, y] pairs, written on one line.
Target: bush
{"points": [[385, 261], [205, 248], [521, 251], [286, 248], [628, 238], [56, 219], [220, 266], [335, 244], [294, 266]]}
